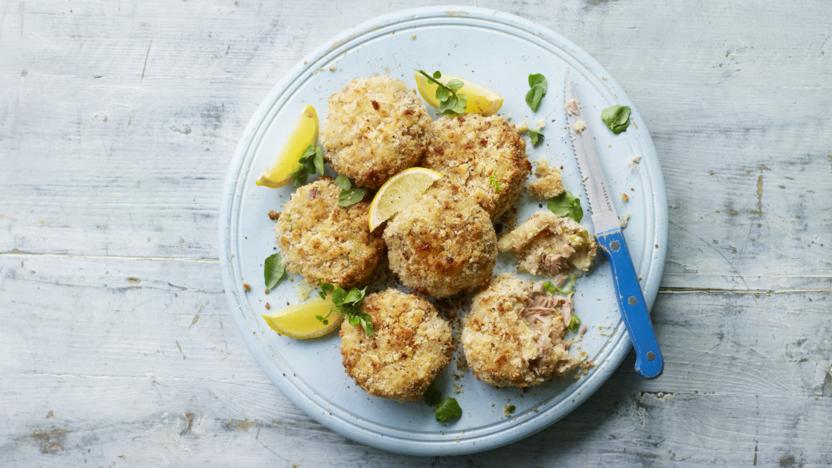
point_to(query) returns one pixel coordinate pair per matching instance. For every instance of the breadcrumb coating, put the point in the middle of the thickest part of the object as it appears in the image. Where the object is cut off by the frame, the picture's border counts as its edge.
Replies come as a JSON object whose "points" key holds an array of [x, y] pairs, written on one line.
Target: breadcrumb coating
{"points": [[410, 345], [548, 183], [325, 242], [513, 335], [485, 155], [444, 244], [547, 244], [375, 128]]}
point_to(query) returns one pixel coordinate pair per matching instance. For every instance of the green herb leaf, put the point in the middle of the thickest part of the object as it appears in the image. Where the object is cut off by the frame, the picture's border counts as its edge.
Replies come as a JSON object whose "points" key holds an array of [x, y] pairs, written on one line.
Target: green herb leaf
{"points": [[448, 410], [325, 289], [338, 295], [535, 136], [442, 93], [616, 118], [574, 323], [362, 319], [494, 183], [319, 160], [449, 101], [568, 287], [343, 182], [432, 395], [509, 409], [455, 85], [537, 89], [351, 197], [273, 270], [348, 303], [537, 79], [354, 296], [311, 162], [566, 205]]}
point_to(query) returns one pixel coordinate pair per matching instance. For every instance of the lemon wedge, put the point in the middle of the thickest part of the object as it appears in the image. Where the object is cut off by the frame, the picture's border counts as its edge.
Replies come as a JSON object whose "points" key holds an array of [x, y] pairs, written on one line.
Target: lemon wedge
{"points": [[301, 321], [288, 161], [399, 192], [480, 100]]}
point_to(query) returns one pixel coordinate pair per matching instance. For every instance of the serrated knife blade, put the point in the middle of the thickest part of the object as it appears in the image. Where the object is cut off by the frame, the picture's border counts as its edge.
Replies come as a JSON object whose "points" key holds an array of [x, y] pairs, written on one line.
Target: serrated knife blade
{"points": [[604, 216]]}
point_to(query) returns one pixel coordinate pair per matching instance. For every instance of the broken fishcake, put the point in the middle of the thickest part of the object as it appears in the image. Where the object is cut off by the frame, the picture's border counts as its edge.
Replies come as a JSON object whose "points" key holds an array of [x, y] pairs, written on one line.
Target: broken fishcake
{"points": [[547, 244], [514, 334], [548, 183]]}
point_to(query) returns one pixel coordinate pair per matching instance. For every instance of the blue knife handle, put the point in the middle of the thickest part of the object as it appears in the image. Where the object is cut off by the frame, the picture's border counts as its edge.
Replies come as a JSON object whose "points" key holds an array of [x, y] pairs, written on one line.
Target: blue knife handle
{"points": [[649, 361]]}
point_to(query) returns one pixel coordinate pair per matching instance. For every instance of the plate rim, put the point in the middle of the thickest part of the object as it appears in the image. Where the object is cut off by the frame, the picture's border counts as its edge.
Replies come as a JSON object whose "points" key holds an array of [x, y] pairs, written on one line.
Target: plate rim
{"points": [[522, 429]]}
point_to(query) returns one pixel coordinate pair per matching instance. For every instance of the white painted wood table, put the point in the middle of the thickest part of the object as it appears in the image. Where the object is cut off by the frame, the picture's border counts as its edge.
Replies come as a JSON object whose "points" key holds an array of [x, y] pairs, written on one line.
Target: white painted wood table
{"points": [[117, 122]]}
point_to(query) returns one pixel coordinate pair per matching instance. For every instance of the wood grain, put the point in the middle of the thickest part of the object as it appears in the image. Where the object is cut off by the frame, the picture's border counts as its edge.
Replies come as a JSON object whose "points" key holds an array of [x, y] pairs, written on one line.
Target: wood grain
{"points": [[118, 120]]}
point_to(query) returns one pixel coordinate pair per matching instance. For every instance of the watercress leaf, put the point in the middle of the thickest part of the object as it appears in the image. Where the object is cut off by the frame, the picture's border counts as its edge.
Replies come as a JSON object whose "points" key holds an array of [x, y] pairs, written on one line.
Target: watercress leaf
{"points": [[549, 287], [299, 176], [616, 118], [448, 410], [442, 93], [460, 104], [325, 289], [308, 153], [343, 182], [537, 79], [351, 197], [535, 136], [366, 323], [355, 295], [455, 85], [319, 160], [273, 270], [566, 205], [574, 323], [338, 295], [437, 74], [534, 96]]}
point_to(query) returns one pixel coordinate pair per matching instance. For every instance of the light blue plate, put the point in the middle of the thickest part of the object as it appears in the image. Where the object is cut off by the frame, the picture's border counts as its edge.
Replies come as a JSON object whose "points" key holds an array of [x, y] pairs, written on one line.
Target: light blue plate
{"points": [[497, 50]]}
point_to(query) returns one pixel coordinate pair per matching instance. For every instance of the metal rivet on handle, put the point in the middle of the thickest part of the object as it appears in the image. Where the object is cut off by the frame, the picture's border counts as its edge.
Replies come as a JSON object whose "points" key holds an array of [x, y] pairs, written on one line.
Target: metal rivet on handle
{"points": [[615, 246], [651, 355], [632, 300]]}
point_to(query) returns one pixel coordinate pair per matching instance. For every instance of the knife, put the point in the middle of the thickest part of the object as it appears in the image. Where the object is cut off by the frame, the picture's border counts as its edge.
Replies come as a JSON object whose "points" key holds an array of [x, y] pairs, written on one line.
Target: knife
{"points": [[631, 303]]}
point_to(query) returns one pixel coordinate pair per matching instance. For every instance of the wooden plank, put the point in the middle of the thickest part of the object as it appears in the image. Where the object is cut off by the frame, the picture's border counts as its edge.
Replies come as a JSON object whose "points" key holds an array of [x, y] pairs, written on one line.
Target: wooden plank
{"points": [[147, 118], [138, 358]]}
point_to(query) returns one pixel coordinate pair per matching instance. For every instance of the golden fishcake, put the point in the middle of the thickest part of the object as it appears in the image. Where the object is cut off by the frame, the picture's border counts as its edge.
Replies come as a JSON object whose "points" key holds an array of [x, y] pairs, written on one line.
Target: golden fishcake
{"points": [[324, 242], [444, 244], [409, 347], [485, 155], [375, 128]]}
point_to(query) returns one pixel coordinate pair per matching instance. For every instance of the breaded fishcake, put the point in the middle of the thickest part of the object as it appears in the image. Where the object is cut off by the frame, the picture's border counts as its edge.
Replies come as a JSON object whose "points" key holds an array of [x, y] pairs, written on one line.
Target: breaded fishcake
{"points": [[513, 335], [409, 346], [485, 155], [325, 242], [375, 128], [547, 244], [444, 244]]}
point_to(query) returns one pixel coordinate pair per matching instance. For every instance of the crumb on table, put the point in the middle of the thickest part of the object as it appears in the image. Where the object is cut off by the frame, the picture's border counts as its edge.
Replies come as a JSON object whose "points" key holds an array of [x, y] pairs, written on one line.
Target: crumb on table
{"points": [[274, 215], [246, 287]]}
